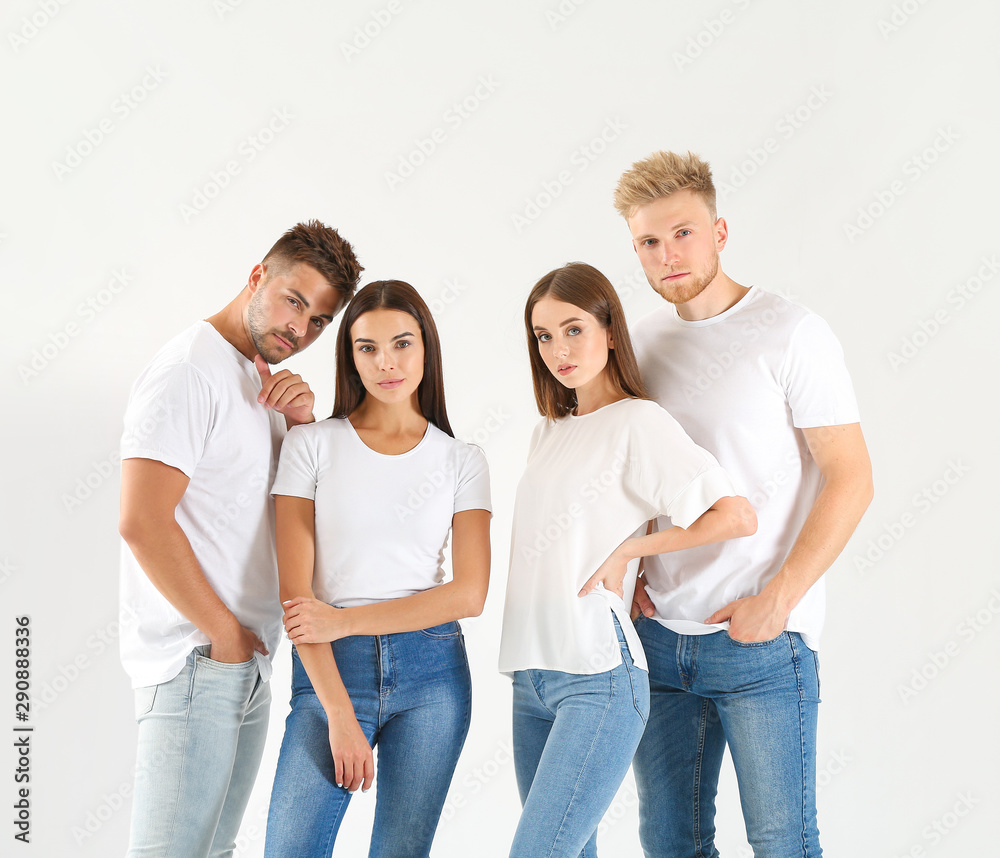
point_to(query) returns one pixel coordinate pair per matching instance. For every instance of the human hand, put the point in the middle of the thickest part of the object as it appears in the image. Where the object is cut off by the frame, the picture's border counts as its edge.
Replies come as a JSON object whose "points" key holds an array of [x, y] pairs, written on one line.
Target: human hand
{"points": [[309, 620], [611, 573], [751, 619], [641, 603], [352, 755], [236, 648], [285, 393]]}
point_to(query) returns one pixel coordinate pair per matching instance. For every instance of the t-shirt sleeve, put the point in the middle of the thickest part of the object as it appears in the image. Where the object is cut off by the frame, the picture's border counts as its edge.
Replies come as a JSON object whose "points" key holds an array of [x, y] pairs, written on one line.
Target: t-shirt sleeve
{"points": [[672, 473], [169, 417], [815, 378], [297, 465], [472, 488]]}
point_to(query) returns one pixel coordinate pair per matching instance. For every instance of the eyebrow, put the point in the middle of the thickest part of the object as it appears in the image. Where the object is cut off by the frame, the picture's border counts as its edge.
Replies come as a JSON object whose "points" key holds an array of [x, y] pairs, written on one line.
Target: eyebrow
{"points": [[397, 337], [305, 304], [542, 327], [645, 235]]}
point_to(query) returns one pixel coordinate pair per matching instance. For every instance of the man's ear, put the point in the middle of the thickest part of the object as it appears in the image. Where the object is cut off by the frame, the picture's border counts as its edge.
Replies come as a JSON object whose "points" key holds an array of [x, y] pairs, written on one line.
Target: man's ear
{"points": [[256, 275]]}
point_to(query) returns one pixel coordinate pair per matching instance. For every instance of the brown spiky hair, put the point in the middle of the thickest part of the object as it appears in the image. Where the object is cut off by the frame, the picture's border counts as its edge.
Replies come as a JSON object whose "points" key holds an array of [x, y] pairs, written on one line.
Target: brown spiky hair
{"points": [[660, 175], [321, 247]]}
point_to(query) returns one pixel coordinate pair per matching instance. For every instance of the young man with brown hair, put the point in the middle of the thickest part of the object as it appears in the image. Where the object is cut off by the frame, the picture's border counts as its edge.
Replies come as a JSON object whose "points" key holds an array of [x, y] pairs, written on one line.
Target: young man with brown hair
{"points": [[203, 427], [730, 630]]}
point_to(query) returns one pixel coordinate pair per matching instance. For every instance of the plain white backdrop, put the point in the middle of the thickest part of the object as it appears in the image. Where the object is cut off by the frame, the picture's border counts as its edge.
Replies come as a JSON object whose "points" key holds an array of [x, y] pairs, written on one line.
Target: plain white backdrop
{"points": [[152, 154]]}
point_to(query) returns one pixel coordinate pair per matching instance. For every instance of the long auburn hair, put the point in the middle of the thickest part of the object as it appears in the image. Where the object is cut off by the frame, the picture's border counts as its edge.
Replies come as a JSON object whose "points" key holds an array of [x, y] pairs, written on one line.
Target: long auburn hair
{"points": [[585, 287], [391, 295]]}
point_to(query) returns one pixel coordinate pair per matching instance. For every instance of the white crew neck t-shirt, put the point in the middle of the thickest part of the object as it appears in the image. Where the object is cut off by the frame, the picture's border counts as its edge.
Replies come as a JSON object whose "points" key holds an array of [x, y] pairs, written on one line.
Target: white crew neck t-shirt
{"points": [[590, 483], [194, 407], [743, 385], [382, 521]]}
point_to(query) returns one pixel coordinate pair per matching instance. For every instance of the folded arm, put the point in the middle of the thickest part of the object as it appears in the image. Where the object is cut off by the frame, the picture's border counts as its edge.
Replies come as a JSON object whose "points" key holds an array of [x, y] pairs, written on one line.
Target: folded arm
{"points": [[308, 620]]}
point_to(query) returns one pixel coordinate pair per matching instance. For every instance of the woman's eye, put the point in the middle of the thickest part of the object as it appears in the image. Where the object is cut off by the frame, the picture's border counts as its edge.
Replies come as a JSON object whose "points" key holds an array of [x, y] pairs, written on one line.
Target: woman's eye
{"points": [[573, 331], [402, 344], [365, 349], [544, 338]]}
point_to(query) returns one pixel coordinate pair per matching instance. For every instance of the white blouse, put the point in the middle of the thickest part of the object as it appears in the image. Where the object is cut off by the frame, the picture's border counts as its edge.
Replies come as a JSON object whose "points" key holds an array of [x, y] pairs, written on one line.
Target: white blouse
{"points": [[590, 483]]}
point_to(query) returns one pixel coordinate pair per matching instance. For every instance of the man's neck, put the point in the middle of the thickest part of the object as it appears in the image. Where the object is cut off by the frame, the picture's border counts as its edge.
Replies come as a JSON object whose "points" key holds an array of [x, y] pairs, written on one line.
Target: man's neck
{"points": [[721, 294], [231, 324]]}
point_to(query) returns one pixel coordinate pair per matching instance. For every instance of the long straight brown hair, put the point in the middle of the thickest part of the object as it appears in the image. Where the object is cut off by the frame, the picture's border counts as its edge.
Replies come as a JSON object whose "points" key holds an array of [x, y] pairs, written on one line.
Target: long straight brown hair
{"points": [[391, 295], [585, 287]]}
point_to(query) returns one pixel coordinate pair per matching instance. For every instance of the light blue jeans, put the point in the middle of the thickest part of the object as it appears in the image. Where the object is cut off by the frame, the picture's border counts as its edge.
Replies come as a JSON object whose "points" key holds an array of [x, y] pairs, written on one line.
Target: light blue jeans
{"points": [[412, 695], [761, 698], [574, 736], [201, 737]]}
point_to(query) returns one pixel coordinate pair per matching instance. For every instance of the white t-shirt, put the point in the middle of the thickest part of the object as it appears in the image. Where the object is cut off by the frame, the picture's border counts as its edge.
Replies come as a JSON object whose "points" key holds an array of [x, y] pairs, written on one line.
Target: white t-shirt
{"points": [[590, 483], [382, 521], [744, 384], [194, 407]]}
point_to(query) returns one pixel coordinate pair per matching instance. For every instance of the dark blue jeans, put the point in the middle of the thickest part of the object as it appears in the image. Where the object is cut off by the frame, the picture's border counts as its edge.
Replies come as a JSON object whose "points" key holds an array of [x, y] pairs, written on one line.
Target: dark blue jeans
{"points": [[412, 696], [760, 698]]}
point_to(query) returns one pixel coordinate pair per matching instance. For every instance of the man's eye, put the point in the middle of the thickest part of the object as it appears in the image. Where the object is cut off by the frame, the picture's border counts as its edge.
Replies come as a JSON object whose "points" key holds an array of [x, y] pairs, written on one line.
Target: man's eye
{"points": [[319, 323]]}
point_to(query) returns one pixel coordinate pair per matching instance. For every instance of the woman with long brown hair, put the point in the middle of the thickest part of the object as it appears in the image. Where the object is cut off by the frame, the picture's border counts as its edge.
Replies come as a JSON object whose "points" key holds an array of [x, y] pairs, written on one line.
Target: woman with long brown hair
{"points": [[603, 462], [364, 503]]}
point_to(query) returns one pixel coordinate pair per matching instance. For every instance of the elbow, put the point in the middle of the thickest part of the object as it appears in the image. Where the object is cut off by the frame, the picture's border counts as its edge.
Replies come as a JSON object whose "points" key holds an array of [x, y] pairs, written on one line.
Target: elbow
{"points": [[743, 518], [474, 604], [134, 529]]}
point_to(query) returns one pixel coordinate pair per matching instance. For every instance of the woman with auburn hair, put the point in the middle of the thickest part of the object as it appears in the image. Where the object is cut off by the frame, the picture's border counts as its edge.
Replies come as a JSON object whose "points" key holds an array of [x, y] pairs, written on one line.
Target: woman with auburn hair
{"points": [[364, 503], [603, 462]]}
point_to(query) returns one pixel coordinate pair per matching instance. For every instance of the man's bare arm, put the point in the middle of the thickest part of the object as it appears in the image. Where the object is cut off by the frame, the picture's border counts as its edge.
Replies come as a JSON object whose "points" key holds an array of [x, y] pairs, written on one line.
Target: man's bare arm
{"points": [[151, 491], [842, 457]]}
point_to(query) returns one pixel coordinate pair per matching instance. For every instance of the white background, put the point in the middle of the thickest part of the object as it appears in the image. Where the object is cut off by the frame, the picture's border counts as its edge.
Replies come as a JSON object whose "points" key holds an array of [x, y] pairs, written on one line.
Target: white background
{"points": [[881, 117]]}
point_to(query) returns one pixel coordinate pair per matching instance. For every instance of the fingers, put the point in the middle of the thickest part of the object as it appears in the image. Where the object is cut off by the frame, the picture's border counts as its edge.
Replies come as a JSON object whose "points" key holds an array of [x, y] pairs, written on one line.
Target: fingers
{"points": [[642, 602], [280, 390], [591, 584], [722, 614], [369, 772], [259, 645], [263, 369]]}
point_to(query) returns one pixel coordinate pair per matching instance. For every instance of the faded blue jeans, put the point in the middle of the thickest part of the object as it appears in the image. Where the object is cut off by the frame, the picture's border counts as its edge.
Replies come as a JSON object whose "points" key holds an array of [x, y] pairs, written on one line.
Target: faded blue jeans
{"points": [[412, 695], [574, 736], [760, 698], [201, 737]]}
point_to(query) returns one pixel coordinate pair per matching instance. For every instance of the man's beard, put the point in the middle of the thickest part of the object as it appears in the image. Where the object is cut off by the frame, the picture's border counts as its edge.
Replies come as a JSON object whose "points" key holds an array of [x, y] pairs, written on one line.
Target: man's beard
{"points": [[684, 292], [256, 322]]}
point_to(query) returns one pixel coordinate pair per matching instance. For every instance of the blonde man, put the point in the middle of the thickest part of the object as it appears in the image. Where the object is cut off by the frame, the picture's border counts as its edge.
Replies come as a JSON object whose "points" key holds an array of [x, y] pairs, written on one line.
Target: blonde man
{"points": [[730, 630]]}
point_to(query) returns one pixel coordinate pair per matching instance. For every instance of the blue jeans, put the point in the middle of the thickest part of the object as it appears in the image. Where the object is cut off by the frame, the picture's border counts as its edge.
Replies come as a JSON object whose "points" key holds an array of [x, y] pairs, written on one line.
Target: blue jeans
{"points": [[761, 698], [574, 737], [412, 695], [201, 737]]}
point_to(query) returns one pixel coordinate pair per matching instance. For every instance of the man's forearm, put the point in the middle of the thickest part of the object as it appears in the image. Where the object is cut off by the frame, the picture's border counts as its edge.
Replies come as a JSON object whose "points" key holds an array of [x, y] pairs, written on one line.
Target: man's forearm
{"points": [[165, 555]]}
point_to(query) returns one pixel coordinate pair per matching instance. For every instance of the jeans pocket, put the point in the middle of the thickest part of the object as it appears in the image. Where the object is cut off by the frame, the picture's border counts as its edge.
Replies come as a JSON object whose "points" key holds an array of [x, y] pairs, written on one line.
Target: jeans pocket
{"points": [[144, 699], [225, 665], [638, 681], [450, 629], [778, 637]]}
